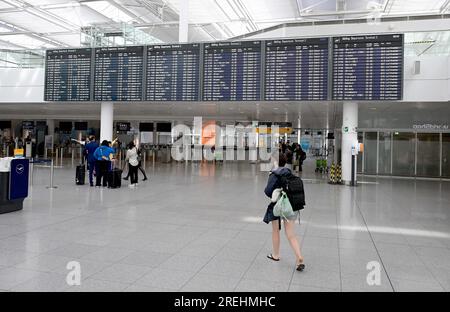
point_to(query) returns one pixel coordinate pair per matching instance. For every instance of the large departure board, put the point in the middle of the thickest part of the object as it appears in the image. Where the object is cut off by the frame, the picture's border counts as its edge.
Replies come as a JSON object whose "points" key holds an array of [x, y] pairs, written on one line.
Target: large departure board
{"points": [[368, 67], [173, 72], [296, 69], [68, 75], [232, 71], [118, 74]]}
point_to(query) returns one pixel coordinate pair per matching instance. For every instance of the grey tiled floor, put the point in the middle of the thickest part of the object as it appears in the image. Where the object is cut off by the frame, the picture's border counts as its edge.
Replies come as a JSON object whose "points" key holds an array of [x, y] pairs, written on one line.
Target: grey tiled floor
{"points": [[198, 227]]}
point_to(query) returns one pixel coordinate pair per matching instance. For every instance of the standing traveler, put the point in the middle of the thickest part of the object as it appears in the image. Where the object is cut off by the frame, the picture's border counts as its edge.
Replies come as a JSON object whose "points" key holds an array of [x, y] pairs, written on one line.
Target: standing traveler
{"points": [[141, 169], [90, 149], [103, 155], [300, 156], [277, 178], [133, 163]]}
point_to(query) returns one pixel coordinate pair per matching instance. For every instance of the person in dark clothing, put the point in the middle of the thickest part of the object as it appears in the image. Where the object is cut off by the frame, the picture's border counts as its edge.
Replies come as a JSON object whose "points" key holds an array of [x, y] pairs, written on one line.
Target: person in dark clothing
{"points": [[102, 165], [274, 183], [300, 156], [90, 149]]}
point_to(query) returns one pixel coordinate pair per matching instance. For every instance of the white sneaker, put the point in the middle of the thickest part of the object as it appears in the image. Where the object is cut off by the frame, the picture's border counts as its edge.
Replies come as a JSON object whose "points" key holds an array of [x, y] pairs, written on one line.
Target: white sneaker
{"points": [[131, 185]]}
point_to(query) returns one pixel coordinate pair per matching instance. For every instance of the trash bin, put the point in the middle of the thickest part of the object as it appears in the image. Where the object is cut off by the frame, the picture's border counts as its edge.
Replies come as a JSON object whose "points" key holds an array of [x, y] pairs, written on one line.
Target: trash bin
{"points": [[13, 183]]}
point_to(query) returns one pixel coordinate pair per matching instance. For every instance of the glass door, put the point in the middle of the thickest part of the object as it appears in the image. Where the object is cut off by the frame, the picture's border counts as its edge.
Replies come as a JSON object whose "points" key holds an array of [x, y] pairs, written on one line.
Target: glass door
{"points": [[428, 149], [403, 154]]}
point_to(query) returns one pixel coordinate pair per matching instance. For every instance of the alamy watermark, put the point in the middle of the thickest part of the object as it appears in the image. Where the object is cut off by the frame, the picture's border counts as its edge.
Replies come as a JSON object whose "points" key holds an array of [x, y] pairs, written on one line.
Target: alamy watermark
{"points": [[374, 276]]}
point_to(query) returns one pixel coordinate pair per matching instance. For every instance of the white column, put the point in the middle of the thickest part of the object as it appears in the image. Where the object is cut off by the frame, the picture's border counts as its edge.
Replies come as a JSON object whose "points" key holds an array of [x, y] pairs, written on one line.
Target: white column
{"points": [[299, 133], [349, 138], [51, 126], [106, 121], [183, 26]]}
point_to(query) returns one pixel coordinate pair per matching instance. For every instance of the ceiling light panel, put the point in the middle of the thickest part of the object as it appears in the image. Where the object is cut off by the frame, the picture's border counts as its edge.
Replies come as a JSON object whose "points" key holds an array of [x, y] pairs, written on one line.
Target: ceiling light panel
{"points": [[30, 22], [81, 16], [108, 10]]}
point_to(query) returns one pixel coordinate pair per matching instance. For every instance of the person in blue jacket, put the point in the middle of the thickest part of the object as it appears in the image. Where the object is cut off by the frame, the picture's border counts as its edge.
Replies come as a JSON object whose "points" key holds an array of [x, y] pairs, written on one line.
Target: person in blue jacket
{"points": [[274, 183], [103, 156], [90, 149]]}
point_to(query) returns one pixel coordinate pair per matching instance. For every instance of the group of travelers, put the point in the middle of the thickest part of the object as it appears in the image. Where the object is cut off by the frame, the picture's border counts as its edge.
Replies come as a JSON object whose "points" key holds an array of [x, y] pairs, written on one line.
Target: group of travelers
{"points": [[295, 155], [101, 159], [283, 182]]}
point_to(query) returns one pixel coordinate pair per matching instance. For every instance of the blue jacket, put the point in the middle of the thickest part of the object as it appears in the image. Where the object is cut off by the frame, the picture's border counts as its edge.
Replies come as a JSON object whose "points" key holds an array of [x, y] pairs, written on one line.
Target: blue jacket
{"points": [[103, 151], [274, 181], [90, 150]]}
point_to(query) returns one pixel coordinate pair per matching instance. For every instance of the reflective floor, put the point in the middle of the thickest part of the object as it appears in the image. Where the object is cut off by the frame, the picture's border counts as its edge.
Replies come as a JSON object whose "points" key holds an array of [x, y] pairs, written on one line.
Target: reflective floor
{"points": [[198, 227]]}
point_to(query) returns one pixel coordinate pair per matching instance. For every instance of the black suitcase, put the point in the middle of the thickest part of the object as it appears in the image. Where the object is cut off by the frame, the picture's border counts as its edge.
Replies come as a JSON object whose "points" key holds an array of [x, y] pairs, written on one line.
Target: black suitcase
{"points": [[80, 175], [115, 178]]}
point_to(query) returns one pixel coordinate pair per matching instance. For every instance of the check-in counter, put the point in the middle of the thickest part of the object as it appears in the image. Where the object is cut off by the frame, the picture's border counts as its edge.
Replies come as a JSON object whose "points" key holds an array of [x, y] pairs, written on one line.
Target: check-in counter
{"points": [[13, 183]]}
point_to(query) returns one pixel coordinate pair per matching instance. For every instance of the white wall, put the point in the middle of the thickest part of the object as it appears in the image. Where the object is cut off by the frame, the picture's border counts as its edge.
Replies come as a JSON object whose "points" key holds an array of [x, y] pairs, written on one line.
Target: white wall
{"points": [[21, 85], [432, 84]]}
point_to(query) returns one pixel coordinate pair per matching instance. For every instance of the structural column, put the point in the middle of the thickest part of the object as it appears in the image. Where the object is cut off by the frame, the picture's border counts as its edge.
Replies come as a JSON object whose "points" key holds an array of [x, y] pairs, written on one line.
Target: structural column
{"points": [[106, 121], [349, 139], [183, 26], [299, 133]]}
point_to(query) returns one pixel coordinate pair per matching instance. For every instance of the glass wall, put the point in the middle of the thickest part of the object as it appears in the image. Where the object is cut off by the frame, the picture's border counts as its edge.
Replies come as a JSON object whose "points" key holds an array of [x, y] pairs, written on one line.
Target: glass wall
{"points": [[428, 154], [403, 153], [384, 152], [370, 152], [446, 155]]}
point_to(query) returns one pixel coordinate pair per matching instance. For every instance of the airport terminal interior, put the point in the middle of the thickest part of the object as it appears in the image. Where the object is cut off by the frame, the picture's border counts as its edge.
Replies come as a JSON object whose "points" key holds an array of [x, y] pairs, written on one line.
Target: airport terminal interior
{"points": [[139, 139]]}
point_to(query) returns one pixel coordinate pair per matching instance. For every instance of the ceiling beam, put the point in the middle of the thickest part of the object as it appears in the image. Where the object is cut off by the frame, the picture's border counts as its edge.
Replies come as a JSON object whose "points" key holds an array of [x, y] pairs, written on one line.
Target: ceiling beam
{"points": [[445, 6]]}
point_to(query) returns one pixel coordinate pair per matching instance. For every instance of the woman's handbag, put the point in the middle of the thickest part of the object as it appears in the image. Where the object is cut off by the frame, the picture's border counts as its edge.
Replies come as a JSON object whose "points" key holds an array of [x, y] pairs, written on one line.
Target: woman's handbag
{"points": [[283, 207]]}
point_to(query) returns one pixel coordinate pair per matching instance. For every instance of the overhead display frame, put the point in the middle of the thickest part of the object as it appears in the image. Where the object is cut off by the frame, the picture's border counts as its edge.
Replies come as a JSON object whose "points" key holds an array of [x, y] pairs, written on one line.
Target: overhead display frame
{"points": [[173, 72], [368, 67], [296, 69], [232, 71], [119, 73], [68, 75]]}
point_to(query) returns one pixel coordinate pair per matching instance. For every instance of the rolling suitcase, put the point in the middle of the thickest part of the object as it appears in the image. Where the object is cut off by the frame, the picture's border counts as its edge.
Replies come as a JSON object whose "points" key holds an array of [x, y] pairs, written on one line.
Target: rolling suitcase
{"points": [[80, 175], [115, 178]]}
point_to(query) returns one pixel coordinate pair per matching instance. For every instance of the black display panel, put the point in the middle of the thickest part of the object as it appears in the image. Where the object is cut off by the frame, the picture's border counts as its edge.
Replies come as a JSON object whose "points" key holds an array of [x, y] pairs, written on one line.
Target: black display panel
{"points": [[5, 124], [81, 125], [164, 127], [28, 125], [232, 71], [118, 74], [173, 72], [146, 126], [368, 67], [65, 126], [123, 126], [296, 70], [68, 75]]}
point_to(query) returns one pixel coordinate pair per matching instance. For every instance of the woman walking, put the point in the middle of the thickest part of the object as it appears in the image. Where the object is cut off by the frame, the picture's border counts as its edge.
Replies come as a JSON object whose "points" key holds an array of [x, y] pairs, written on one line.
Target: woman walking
{"points": [[273, 184], [133, 164]]}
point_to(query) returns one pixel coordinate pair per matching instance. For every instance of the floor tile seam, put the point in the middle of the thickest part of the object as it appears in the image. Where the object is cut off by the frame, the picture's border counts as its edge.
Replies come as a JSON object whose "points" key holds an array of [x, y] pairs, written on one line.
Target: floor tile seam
{"points": [[203, 266], [375, 246], [425, 265]]}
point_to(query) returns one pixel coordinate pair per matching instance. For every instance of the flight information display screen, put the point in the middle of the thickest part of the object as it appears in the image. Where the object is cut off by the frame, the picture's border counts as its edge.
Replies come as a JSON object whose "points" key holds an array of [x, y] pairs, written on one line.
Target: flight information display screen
{"points": [[118, 74], [296, 70], [368, 67], [68, 75], [232, 71], [173, 72]]}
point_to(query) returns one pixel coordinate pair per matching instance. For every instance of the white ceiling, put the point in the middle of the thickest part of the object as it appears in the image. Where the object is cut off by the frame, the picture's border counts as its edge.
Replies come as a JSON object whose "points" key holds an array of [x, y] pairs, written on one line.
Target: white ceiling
{"points": [[57, 23]]}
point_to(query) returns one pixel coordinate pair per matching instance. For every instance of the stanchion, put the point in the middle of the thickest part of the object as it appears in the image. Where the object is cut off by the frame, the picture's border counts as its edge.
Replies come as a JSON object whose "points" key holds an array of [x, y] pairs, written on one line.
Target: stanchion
{"points": [[52, 169], [73, 155], [62, 152], [30, 173], [145, 159], [57, 157], [153, 157]]}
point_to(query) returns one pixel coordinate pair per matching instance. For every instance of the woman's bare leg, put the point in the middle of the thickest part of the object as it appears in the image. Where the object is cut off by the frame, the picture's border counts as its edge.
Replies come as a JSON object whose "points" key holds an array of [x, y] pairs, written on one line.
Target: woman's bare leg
{"points": [[292, 238], [276, 239]]}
